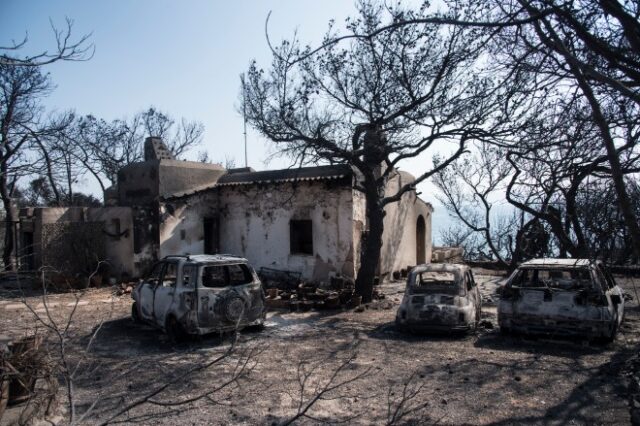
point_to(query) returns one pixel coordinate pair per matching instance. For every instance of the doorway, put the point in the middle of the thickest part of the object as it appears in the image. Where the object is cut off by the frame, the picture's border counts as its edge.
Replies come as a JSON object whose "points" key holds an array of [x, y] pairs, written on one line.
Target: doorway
{"points": [[420, 240]]}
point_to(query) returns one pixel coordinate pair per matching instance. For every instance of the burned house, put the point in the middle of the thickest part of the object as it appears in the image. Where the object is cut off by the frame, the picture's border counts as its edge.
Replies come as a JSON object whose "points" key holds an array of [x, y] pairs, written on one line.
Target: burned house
{"points": [[309, 220]]}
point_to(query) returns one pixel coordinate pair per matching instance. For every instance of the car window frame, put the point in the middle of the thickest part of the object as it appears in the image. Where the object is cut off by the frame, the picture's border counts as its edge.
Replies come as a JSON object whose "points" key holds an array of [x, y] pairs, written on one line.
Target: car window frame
{"points": [[148, 278], [164, 270]]}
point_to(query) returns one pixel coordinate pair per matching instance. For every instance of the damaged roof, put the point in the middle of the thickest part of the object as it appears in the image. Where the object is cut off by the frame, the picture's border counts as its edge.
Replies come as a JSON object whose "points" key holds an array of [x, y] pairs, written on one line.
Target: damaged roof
{"points": [[247, 176], [286, 175]]}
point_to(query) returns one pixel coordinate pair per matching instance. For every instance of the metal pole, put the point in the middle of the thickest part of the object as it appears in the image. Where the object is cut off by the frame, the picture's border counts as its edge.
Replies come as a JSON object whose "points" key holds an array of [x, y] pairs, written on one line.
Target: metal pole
{"points": [[244, 118]]}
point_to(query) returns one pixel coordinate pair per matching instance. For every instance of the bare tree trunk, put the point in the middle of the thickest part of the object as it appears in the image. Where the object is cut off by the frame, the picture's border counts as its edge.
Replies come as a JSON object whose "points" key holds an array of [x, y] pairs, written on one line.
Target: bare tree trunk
{"points": [[7, 252], [370, 257]]}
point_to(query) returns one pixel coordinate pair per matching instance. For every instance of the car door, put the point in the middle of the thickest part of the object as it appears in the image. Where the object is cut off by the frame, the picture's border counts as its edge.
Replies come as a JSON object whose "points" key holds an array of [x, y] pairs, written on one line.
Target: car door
{"points": [[163, 297], [147, 291], [472, 293], [613, 293], [185, 294], [476, 293]]}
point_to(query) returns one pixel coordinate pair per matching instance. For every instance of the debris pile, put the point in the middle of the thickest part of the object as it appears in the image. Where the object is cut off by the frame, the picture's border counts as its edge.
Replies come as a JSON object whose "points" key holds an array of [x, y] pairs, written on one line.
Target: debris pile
{"points": [[303, 297]]}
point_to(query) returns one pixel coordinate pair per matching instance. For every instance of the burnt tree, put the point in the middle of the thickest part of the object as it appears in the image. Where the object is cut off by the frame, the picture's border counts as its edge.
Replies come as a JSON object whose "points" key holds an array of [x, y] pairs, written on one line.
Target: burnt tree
{"points": [[373, 102], [20, 119]]}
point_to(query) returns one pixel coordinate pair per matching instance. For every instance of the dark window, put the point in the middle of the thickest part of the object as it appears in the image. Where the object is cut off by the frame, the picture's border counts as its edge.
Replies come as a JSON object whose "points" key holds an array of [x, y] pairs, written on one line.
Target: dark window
{"points": [[169, 277], [211, 235], [239, 274], [214, 276], [301, 236]]}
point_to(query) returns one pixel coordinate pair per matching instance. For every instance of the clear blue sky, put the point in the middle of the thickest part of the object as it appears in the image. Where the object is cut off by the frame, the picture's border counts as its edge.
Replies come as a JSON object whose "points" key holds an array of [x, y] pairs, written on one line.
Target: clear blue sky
{"points": [[183, 57]]}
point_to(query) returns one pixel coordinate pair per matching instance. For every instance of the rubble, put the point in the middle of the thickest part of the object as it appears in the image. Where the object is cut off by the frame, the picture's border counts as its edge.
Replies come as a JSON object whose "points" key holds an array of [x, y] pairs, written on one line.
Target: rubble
{"points": [[338, 293]]}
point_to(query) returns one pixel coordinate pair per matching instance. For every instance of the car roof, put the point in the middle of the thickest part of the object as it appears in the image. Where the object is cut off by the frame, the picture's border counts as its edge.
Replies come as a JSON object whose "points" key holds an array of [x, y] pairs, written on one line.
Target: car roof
{"points": [[209, 258], [441, 267], [557, 263]]}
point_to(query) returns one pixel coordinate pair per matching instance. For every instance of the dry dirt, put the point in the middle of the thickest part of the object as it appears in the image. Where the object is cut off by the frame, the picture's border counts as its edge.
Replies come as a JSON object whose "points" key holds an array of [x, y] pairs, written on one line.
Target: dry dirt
{"points": [[477, 378]]}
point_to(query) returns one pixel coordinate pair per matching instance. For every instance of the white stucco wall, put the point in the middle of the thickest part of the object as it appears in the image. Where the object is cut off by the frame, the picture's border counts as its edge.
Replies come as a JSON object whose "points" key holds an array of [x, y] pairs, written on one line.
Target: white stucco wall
{"points": [[399, 247], [255, 224]]}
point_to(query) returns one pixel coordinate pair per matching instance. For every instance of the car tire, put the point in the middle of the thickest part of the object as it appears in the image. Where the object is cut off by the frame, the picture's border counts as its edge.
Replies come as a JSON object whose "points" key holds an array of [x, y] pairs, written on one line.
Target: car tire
{"points": [[174, 330], [135, 315]]}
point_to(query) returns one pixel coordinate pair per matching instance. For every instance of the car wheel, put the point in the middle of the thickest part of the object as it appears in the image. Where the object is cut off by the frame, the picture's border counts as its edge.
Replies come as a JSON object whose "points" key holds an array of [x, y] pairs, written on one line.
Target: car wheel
{"points": [[135, 316], [174, 330]]}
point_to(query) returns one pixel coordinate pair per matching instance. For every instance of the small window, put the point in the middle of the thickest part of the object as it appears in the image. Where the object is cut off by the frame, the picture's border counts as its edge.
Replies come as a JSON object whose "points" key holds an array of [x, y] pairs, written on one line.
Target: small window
{"points": [[301, 237], [169, 277], [239, 274], [213, 276], [189, 274]]}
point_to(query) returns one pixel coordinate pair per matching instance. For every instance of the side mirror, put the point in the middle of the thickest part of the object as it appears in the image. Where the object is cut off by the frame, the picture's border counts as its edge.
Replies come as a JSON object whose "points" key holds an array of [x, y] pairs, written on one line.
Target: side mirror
{"points": [[616, 299]]}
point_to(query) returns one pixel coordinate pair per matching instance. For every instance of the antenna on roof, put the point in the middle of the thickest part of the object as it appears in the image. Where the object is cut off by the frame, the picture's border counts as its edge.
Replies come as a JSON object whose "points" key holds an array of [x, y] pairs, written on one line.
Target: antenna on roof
{"points": [[244, 118]]}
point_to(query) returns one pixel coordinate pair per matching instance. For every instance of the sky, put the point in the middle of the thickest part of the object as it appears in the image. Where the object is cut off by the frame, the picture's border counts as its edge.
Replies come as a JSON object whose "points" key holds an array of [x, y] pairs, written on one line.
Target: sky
{"points": [[182, 57]]}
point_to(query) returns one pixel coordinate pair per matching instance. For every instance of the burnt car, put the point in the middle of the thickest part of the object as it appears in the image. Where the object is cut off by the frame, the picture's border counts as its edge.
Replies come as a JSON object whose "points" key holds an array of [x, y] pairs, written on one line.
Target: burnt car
{"points": [[200, 294], [440, 297], [564, 297]]}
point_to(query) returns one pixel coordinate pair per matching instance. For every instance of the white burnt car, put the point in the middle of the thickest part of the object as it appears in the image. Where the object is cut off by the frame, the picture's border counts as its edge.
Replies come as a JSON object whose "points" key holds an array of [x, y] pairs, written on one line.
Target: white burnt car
{"points": [[565, 297], [440, 297], [200, 294]]}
